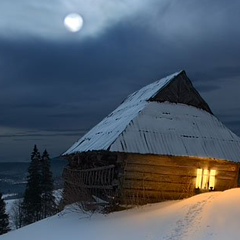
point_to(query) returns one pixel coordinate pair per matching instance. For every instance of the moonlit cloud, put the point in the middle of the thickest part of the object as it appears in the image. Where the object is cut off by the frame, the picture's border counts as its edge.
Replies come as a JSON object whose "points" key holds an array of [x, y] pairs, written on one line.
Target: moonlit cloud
{"points": [[44, 19], [194, 20]]}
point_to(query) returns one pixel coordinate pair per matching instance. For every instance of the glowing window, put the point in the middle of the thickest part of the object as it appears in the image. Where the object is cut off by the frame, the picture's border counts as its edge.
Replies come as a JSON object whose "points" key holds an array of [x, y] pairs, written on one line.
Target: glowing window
{"points": [[199, 178], [205, 179], [212, 179]]}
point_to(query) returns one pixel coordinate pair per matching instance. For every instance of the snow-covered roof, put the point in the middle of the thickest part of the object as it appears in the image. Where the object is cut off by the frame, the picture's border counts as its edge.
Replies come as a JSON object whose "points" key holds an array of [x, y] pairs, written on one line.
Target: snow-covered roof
{"points": [[147, 127]]}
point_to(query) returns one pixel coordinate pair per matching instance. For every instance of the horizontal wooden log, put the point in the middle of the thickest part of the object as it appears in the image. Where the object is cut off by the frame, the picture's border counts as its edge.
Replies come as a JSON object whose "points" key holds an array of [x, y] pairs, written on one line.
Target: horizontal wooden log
{"points": [[171, 161], [226, 175], [148, 171], [134, 196], [158, 177], [173, 182], [89, 170], [222, 184], [89, 186], [158, 186], [163, 170], [99, 187]]}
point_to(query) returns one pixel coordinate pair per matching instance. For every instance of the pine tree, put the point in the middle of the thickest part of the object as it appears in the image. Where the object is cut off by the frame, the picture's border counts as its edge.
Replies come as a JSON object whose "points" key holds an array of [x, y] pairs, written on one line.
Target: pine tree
{"points": [[48, 199], [32, 197], [4, 220]]}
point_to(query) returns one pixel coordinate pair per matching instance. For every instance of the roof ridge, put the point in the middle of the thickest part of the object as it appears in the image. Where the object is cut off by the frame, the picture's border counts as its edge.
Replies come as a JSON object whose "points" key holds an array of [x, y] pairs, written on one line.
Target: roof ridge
{"points": [[149, 91]]}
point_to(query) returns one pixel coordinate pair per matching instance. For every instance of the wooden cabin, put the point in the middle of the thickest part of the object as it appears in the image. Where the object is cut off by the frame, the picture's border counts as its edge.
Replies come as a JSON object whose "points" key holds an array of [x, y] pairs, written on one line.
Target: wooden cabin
{"points": [[162, 143]]}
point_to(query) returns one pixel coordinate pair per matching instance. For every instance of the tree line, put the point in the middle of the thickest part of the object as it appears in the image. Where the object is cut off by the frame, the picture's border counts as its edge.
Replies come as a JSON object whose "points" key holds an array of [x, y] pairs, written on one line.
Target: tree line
{"points": [[38, 199]]}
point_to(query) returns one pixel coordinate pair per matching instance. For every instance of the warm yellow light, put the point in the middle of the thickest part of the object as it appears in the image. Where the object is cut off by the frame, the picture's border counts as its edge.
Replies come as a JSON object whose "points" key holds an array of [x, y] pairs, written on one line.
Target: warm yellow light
{"points": [[199, 178], [212, 179], [205, 179]]}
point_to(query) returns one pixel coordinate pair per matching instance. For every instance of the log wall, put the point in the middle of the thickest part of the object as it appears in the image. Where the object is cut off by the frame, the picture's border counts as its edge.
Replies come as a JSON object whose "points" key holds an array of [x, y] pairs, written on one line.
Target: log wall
{"points": [[138, 179], [149, 178]]}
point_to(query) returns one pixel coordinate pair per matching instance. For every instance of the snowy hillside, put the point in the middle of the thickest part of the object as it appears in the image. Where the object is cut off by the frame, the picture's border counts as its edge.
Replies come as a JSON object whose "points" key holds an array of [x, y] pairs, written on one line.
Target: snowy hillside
{"points": [[214, 215]]}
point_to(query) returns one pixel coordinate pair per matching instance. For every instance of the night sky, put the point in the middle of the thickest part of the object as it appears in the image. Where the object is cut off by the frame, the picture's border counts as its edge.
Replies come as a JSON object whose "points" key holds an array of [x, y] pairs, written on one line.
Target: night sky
{"points": [[55, 85]]}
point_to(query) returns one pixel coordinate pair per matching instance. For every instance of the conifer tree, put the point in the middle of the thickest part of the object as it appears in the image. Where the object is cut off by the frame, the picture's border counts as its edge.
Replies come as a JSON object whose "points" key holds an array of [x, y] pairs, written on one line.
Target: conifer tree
{"points": [[32, 197], [4, 219], [48, 199]]}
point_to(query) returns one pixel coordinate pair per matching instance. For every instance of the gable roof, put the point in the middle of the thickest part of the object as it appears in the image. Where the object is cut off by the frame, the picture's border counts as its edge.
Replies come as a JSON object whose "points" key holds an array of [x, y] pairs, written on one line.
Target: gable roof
{"points": [[145, 123]]}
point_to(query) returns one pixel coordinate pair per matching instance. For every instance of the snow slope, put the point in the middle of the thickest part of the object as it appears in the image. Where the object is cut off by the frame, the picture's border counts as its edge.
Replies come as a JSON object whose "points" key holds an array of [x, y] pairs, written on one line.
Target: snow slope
{"points": [[214, 215]]}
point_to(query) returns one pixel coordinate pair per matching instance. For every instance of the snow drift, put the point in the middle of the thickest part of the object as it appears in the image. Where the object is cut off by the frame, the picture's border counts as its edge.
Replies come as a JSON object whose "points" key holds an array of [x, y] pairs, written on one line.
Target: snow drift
{"points": [[208, 216]]}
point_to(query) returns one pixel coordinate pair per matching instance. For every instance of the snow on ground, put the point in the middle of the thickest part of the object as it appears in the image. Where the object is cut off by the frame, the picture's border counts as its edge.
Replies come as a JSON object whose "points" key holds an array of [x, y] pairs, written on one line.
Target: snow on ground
{"points": [[9, 205], [58, 195], [5, 196], [208, 216]]}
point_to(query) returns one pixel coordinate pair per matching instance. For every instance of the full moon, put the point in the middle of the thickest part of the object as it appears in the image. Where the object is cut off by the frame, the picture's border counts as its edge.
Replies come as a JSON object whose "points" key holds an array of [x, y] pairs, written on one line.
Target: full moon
{"points": [[73, 22]]}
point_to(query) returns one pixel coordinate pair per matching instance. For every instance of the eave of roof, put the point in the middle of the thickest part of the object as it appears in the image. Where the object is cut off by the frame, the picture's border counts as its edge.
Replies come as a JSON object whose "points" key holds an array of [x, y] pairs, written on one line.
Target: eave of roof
{"points": [[178, 130]]}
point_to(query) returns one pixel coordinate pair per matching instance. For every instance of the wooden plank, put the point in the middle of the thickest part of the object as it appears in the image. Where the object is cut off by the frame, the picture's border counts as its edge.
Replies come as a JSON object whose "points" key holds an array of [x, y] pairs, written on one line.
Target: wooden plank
{"points": [[102, 177]]}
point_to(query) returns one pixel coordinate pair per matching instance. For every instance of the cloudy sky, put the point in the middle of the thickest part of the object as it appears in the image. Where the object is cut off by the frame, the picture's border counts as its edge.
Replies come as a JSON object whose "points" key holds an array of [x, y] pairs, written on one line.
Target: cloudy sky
{"points": [[55, 85]]}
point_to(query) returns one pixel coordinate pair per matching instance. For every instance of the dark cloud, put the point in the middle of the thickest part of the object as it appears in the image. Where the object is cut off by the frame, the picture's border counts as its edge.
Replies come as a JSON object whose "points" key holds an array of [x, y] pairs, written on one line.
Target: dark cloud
{"points": [[50, 85], [207, 88]]}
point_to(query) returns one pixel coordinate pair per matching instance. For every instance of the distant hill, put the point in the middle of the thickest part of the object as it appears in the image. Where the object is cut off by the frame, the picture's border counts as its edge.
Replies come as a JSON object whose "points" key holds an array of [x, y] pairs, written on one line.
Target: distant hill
{"points": [[13, 175]]}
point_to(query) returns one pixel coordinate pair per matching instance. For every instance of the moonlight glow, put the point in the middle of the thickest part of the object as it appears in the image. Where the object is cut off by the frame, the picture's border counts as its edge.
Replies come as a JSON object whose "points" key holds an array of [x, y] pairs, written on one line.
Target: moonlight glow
{"points": [[73, 22]]}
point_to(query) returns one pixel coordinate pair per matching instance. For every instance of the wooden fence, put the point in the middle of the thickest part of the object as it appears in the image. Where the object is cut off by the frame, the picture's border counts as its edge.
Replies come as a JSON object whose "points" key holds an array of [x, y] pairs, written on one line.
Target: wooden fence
{"points": [[97, 181]]}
